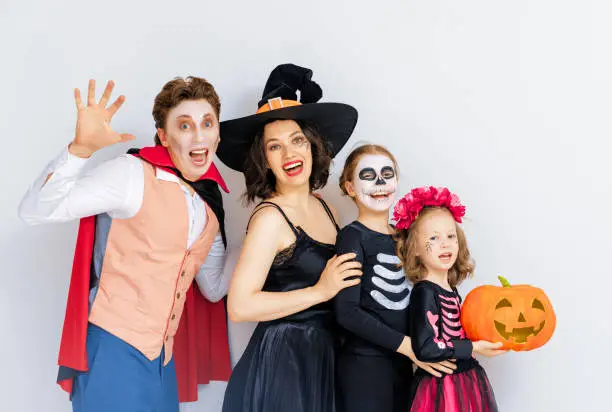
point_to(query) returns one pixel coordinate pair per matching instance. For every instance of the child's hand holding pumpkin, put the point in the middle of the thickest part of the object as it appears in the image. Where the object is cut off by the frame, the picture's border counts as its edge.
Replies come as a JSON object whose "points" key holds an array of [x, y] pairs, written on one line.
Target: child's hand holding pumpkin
{"points": [[489, 349]]}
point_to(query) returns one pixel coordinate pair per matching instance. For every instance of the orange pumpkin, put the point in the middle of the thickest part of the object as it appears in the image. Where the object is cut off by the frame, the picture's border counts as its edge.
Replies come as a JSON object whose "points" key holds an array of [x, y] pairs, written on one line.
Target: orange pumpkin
{"points": [[519, 316]]}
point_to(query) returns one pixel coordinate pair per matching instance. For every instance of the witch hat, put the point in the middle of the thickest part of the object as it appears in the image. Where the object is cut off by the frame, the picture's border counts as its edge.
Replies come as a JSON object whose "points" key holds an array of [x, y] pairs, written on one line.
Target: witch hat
{"points": [[335, 122]]}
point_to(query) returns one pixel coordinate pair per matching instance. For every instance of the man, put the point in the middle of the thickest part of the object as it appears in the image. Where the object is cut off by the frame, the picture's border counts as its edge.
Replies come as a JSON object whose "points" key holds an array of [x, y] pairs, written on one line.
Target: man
{"points": [[151, 222]]}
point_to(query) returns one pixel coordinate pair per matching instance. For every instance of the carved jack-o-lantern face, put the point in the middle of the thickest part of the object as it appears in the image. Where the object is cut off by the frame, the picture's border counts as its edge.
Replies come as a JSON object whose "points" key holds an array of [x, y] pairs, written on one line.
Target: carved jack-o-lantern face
{"points": [[521, 317], [520, 320]]}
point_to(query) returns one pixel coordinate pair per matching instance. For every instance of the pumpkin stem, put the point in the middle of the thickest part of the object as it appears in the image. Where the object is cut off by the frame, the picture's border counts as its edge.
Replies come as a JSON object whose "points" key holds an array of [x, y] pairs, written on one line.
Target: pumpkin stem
{"points": [[504, 281]]}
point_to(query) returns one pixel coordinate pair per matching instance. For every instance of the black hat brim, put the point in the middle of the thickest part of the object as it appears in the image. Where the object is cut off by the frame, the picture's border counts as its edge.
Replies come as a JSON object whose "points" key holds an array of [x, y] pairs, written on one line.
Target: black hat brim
{"points": [[334, 121]]}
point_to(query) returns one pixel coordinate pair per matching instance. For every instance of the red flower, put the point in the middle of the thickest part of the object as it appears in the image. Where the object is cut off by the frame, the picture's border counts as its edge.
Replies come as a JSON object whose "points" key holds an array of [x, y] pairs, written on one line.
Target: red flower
{"points": [[409, 206], [400, 210]]}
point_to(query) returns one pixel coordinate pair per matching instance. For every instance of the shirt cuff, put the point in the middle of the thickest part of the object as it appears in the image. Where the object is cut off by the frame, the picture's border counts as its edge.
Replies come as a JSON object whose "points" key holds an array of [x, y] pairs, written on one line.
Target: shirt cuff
{"points": [[463, 348], [67, 165], [397, 341]]}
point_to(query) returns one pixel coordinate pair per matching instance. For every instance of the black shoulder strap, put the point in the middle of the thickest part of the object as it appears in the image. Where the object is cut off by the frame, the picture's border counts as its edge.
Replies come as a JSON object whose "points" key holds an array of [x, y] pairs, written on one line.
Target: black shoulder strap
{"points": [[270, 204], [329, 213]]}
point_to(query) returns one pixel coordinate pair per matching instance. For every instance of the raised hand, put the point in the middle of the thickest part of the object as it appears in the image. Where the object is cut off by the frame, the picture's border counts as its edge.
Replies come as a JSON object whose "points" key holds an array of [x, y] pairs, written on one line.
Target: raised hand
{"points": [[334, 276], [93, 130]]}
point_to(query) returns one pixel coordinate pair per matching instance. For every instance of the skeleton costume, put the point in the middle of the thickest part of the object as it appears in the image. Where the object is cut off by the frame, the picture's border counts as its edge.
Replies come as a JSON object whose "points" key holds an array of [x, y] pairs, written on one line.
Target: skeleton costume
{"points": [[436, 330], [372, 376]]}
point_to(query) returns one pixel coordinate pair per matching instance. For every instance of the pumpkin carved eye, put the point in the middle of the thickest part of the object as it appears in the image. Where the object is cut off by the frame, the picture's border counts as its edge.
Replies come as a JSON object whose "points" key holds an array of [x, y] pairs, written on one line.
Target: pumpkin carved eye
{"points": [[504, 303], [537, 304]]}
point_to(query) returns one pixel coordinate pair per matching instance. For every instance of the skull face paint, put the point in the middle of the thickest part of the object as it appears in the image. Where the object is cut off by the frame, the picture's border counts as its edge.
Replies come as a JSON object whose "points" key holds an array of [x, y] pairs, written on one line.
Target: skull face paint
{"points": [[375, 182]]}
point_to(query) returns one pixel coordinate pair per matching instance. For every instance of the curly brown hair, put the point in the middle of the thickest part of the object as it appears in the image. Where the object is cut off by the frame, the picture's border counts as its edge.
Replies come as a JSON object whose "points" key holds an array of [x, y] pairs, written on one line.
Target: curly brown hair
{"points": [[260, 181], [353, 158], [414, 268], [178, 90]]}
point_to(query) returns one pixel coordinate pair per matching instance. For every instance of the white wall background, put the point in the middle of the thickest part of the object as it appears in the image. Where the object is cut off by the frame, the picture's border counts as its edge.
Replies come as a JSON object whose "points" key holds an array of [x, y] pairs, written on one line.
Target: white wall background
{"points": [[507, 103]]}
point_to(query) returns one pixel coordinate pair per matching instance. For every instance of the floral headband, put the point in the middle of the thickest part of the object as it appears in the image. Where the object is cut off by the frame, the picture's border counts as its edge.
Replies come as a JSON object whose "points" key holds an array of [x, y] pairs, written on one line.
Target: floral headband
{"points": [[409, 206]]}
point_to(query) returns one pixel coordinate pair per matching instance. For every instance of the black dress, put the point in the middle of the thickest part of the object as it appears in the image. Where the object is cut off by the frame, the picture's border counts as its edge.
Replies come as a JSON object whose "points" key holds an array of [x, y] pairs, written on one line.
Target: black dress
{"points": [[372, 376], [288, 364]]}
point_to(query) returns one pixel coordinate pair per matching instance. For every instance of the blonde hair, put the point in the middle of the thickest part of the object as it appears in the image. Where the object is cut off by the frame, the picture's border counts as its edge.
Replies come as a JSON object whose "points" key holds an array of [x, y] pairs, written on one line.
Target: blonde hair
{"points": [[414, 268]]}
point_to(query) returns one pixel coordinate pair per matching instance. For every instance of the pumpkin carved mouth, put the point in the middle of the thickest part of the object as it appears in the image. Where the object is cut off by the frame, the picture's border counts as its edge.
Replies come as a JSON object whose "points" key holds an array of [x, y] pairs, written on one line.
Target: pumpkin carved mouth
{"points": [[519, 335]]}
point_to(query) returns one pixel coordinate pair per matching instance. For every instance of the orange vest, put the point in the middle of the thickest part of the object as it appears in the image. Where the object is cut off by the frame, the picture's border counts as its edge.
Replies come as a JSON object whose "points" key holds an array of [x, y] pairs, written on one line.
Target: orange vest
{"points": [[147, 269]]}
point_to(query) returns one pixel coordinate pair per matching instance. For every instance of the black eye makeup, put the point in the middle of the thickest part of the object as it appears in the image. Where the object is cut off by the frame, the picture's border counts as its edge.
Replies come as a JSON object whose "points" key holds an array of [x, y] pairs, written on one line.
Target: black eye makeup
{"points": [[387, 172], [367, 173]]}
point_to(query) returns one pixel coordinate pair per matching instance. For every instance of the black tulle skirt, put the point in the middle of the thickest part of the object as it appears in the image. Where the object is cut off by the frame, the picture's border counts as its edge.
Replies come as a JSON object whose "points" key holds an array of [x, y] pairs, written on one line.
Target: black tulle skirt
{"points": [[287, 366], [465, 391]]}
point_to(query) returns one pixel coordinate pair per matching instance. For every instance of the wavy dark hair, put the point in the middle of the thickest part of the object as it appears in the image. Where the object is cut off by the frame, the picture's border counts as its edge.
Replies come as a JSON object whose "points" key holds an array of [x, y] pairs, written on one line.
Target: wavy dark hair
{"points": [[261, 182]]}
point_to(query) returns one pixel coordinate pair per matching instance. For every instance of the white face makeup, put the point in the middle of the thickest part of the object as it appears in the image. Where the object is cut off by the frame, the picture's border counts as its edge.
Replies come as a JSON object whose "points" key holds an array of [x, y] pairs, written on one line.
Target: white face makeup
{"points": [[191, 136], [375, 182]]}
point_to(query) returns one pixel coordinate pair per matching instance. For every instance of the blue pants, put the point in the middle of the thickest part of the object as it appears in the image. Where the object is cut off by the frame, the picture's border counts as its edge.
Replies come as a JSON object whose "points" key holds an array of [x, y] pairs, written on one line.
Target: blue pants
{"points": [[122, 379]]}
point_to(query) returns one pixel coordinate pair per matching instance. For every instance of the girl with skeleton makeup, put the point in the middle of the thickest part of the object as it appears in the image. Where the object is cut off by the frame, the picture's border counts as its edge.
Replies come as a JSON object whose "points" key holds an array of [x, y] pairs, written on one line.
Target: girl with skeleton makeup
{"points": [[374, 364]]}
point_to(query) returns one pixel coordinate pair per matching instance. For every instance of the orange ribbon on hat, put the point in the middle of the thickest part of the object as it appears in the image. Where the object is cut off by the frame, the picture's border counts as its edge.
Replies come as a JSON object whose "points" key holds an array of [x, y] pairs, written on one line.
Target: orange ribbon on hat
{"points": [[277, 103]]}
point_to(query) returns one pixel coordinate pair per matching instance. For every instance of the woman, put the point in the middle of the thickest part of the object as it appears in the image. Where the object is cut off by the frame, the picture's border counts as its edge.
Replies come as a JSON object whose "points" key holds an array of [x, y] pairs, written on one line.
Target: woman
{"points": [[287, 272]]}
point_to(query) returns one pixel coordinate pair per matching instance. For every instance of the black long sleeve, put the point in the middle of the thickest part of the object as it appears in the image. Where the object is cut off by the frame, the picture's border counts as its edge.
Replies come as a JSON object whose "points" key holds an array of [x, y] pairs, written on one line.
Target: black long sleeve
{"points": [[428, 342], [349, 312]]}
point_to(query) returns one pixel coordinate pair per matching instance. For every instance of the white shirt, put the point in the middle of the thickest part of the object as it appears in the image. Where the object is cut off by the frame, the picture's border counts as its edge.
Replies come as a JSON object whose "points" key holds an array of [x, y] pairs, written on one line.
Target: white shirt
{"points": [[116, 187]]}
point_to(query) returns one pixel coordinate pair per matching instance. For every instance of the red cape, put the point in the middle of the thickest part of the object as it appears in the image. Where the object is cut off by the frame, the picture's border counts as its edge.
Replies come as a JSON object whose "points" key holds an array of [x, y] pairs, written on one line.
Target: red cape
{"points": [[201, 349]]}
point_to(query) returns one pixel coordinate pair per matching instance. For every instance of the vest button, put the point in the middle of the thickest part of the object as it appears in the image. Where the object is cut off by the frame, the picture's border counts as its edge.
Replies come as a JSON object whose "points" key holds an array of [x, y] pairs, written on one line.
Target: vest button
{"points": [[167, 337], [182, 273], [178, 295], [173, 316]]}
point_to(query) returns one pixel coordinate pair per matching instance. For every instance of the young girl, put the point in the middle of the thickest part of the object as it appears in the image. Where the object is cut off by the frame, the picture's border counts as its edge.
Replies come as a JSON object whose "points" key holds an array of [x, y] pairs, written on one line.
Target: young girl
{"points": [[374, 369], [434, 254]]}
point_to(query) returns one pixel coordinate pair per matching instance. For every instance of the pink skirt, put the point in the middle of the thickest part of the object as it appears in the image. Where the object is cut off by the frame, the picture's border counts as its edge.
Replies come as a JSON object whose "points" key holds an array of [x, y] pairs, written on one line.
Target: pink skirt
{"points": [[468, 391]]}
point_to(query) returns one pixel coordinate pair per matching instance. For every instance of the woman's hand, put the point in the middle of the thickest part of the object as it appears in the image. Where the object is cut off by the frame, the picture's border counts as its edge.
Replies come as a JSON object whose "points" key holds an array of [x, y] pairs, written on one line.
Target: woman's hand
{"points": [[248, 302], [334, 276], [488, 349], [93, 131]]}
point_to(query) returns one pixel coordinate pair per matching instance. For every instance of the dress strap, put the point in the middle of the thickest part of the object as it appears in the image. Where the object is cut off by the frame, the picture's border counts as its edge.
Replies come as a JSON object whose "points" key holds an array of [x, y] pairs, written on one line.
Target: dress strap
{"points": [[270, 204], [329, 213]]}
